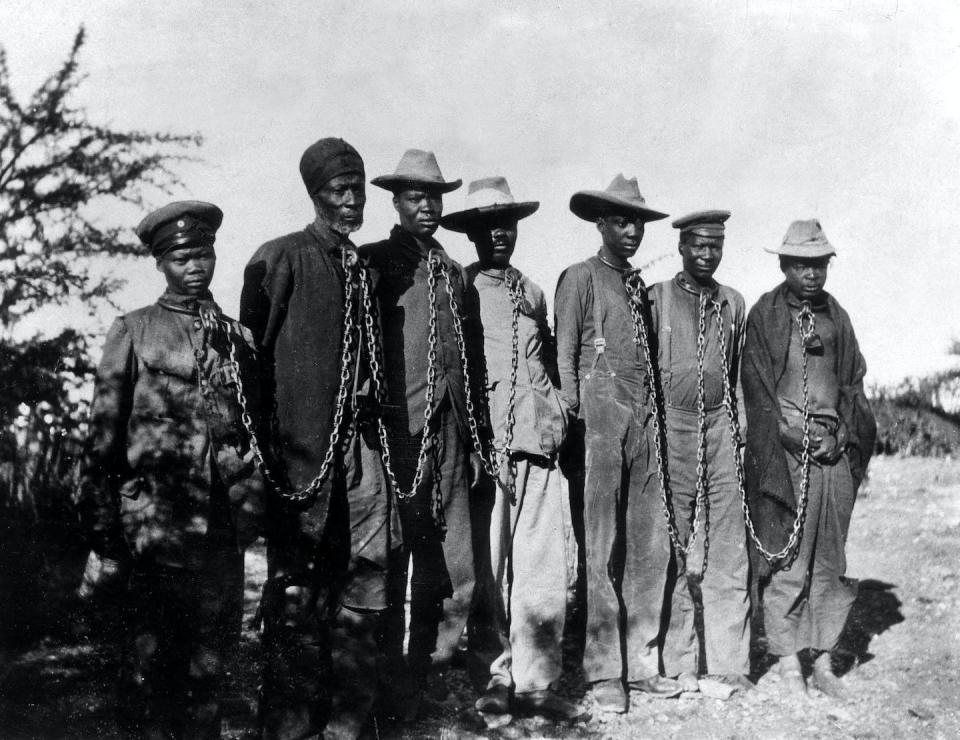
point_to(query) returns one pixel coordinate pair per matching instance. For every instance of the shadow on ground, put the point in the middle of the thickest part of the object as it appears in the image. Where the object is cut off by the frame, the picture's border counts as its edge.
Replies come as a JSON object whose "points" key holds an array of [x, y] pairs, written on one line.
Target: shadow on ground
{"points": [[876, 609]]}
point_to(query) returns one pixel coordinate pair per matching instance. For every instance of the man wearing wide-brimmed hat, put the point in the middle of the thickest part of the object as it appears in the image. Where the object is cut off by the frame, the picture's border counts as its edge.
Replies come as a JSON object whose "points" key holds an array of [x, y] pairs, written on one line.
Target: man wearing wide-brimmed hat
{"points": [[600, 306], [810, 435], [426, 320], [699, 326], [530, 517], [328, 517]]}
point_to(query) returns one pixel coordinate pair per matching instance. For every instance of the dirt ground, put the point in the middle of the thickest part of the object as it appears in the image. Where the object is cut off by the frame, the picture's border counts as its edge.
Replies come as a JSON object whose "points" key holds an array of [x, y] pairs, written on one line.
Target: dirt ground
{"points": [[900, 655]]}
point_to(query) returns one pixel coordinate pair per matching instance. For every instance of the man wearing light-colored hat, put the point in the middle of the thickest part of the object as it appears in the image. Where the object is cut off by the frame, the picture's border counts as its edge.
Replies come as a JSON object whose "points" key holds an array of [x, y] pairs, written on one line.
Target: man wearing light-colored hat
{"points": [[604, 381], [530, 517], [429, 416], [810, 435], [700, 326]]}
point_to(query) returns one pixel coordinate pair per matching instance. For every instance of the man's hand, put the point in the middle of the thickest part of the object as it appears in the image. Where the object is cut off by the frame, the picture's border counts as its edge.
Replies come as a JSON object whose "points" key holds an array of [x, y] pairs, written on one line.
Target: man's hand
{"points": [[792, 439], [476, 470], [829, 450]]}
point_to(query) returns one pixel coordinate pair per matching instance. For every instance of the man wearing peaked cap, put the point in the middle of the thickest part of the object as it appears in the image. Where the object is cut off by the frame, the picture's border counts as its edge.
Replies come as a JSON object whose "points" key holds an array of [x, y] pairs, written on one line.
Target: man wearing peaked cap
{"points": [[327, 549], [699, 369], [428, 419], [604, 381], [180, 223], [528, 512], [810, 435], [169, 494]]}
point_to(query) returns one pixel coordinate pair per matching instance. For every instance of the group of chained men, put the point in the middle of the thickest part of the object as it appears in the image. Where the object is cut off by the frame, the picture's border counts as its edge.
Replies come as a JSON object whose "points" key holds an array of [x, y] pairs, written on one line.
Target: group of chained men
{"points": [[403, 430]]}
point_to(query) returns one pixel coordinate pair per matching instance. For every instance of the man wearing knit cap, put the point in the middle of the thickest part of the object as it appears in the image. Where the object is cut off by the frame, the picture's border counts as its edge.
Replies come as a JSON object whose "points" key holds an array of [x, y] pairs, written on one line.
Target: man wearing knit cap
{"points": [[530, 517], [169, 492], [699, 326], [328, 530], [604, 381], [810, 434], [428, 418]]}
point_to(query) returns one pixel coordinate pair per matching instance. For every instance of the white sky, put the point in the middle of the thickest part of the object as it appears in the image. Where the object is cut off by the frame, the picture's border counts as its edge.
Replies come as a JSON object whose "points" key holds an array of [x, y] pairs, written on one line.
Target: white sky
{"points": [[843, 110]]}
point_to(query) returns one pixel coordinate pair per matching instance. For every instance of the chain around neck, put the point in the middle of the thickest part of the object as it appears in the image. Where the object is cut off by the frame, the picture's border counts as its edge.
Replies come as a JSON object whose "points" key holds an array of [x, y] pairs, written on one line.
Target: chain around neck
{"points": [[612, 266]]}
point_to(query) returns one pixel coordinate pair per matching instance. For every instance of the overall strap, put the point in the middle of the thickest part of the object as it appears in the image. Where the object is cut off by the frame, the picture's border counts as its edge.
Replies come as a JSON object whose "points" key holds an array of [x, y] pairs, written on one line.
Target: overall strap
{"points": [[599, 342]]}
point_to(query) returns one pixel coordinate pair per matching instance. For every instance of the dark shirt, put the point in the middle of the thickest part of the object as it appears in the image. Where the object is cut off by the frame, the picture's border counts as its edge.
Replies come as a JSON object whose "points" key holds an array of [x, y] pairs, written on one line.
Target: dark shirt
{"points": [[402, 292], [574, 320], [675, 308], [822, 383]]}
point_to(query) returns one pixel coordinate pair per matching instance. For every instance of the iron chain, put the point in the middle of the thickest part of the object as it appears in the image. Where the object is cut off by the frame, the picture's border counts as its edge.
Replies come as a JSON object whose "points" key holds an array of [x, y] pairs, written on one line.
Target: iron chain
{"points": [[784, 557]]}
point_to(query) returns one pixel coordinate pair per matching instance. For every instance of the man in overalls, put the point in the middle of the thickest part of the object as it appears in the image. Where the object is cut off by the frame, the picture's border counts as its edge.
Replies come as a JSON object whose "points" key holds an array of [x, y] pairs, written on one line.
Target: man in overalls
{"points": [[699, 326], [604, 380], [810, 435]]}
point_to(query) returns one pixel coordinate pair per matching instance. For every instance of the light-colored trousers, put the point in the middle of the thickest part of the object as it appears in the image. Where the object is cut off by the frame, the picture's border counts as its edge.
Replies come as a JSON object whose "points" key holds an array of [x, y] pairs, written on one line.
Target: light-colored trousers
{"points": [[530, 543]]}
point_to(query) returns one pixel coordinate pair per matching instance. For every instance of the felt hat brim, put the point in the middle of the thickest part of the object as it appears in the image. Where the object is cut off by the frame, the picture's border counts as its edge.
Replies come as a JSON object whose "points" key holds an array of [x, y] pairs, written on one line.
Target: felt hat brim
{"points": [[396, 183], [461, 221], [803, 251], [591, 204]]}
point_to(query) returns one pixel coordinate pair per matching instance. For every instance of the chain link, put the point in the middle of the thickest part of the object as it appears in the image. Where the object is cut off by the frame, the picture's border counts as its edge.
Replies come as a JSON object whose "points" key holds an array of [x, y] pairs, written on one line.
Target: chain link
{"points": [[212, 322], [636, 292], [374, 348], [784, 557], [514, 287]]}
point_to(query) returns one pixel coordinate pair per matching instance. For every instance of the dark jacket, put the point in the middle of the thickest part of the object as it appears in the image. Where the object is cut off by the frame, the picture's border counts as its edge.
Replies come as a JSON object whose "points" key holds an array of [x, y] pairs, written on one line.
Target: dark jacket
{"points": [[292, 302], [402, 293], [168, 467], [769, 486]]}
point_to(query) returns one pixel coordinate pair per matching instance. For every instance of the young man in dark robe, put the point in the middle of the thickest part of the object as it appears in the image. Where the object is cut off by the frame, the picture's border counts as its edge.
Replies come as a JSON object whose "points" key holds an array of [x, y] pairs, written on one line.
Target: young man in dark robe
{"points": [[810, 435]]}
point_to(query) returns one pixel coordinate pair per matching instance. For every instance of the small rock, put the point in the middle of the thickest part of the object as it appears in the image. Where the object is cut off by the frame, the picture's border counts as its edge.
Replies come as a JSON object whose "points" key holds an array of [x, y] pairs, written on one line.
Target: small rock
{"points": [[921, 713]]}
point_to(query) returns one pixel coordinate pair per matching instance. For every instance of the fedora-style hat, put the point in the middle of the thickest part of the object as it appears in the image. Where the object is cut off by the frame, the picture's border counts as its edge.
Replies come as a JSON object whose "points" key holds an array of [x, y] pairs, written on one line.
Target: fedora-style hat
{"points": [[487, 198], [804, 239], [620, 195], [417, 169]]}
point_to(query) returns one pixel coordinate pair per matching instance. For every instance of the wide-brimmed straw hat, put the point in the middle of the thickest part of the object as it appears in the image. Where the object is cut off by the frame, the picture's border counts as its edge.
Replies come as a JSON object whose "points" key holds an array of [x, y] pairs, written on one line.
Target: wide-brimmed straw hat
{"points": [[417, 169], [488, 198], [804, 239], [620, 195]]}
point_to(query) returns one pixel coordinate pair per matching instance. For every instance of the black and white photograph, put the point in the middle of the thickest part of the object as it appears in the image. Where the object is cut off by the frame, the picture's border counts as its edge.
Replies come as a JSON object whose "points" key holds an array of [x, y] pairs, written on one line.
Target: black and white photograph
{"points": [[479, 369]]}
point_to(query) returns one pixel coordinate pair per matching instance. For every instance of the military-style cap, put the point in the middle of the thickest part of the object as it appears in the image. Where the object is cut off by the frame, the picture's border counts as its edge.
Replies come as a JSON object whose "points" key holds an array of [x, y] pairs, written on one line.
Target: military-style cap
{"points": [[326, 159], [178, 224], [621, 195], [805, 239], [417, 169], [702, 223]]}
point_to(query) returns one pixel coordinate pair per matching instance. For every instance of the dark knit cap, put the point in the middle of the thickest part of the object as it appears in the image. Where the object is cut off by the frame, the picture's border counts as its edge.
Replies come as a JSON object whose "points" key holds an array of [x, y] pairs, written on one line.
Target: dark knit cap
{"points": [[325, 160]]}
